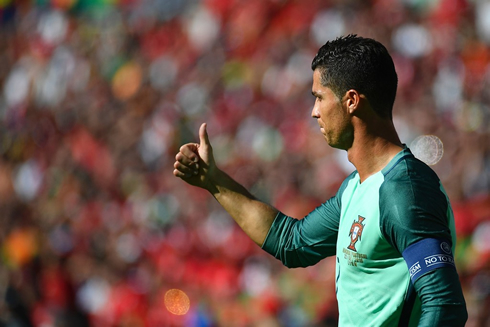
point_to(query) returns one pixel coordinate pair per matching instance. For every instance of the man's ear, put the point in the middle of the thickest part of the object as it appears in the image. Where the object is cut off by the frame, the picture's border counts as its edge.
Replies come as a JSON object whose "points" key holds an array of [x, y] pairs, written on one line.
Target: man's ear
{"points": [[352, 99]]}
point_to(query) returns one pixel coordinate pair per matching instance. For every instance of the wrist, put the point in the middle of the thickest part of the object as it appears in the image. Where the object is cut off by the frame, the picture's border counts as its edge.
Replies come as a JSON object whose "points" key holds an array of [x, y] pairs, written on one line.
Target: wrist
{"points": [[212, 182]]}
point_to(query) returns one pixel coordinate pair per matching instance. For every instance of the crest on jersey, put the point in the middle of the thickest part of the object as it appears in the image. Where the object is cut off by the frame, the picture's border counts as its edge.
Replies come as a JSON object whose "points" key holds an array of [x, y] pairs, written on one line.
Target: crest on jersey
{"points": [[355, 233]]}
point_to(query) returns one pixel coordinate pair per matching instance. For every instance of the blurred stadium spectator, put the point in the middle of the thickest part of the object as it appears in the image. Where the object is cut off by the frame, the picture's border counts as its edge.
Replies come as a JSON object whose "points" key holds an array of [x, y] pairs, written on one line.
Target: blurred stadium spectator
{"points": [[96, 96]]}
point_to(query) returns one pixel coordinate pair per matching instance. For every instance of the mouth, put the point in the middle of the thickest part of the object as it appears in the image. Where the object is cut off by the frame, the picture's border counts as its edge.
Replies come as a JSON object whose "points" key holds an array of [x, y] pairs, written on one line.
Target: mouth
{"points": [[322, 129]]}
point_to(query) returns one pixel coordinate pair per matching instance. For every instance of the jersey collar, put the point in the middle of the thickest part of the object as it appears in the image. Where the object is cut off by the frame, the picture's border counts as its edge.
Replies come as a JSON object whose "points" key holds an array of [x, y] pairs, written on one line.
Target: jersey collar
{"points": [[396, 159]]}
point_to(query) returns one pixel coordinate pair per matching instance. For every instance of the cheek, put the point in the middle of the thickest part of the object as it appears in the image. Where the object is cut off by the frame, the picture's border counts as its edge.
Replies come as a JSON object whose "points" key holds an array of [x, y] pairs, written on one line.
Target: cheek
{"points": [[325, 112], [331, 116]]}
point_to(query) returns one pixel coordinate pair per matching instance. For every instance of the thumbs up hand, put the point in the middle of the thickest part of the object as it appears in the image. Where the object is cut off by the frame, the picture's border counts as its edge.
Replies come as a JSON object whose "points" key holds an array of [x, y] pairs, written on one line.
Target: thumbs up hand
{"points": [[195, 162], [195, 165]]}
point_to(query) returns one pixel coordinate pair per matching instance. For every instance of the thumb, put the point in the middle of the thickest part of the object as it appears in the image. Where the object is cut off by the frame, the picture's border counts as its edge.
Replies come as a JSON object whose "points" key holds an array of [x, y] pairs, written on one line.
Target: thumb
{"points": [[203, 135]]}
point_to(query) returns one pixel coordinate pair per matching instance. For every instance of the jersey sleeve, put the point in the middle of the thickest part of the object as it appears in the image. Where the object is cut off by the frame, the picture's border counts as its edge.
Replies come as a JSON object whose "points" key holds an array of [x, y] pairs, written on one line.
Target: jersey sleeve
{"points": [[415, 219], [304, 242], [413, 207]]}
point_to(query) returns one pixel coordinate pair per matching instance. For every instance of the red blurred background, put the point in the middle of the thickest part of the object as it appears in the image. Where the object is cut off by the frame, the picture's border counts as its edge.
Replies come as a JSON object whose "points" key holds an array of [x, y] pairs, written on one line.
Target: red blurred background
{"points": [[97, 96]]}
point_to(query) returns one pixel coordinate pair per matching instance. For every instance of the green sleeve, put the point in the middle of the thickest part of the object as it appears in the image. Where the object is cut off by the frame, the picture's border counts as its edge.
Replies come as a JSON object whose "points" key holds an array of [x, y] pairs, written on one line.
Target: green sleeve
{"points": [[442, 299], [413, 207], [304, 242]]}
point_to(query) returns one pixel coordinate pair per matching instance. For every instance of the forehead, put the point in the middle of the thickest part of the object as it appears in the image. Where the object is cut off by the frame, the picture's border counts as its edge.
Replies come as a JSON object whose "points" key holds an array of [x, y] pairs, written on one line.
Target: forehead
{"points": [[317, 76], [320, 90], [317, 86]]}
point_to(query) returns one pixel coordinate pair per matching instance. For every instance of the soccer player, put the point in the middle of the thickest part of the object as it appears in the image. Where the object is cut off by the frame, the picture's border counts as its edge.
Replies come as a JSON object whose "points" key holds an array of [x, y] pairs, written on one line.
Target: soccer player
{"points": [[390, 225]]}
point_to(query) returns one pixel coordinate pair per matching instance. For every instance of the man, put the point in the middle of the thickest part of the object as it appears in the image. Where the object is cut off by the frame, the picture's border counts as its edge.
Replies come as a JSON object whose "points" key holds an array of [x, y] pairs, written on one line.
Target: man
{"points": [[390, 225]]}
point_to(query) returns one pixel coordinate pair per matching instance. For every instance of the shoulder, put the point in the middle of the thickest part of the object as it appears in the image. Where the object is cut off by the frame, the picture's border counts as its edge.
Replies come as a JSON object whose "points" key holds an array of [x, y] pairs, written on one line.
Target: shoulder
{"points": [[353, 177], [330, 209], [412, 202], [337, 198], [409, 179]]}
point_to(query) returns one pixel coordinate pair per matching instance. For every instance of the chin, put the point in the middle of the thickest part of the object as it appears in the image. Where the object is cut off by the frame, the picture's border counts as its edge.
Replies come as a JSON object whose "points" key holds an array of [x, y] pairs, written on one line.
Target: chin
{"points": [[336, 145], [332, 144]]}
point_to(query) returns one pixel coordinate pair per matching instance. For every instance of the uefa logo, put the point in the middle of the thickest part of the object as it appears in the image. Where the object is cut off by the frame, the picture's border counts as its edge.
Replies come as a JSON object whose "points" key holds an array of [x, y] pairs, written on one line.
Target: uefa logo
{"points": [[445, 247]]}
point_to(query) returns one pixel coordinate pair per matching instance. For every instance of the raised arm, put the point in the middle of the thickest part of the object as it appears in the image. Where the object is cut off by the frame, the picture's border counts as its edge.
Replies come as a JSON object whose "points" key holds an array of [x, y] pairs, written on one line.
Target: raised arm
{"points": [[195, 165]]}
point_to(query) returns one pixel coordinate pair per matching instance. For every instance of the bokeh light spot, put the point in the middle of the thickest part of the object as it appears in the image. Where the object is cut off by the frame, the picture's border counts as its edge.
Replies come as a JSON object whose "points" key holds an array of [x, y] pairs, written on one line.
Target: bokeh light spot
{"points": [[177, 302], [127, 81], [427, 148], [20, 247]]}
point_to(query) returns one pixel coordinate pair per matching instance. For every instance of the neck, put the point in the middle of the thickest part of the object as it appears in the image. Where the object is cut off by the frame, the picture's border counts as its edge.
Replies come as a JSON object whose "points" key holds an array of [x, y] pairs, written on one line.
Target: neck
{"points": [[373, 147]]}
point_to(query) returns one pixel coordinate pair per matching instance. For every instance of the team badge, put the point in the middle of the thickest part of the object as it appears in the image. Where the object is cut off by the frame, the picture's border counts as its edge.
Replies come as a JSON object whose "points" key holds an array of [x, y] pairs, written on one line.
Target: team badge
{"points": [[355, 233]]}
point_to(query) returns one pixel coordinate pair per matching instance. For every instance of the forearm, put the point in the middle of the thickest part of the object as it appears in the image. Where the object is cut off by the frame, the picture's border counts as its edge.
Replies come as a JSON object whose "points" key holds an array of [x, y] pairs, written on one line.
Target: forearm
{"points": [[195, 165], [252, 215]]}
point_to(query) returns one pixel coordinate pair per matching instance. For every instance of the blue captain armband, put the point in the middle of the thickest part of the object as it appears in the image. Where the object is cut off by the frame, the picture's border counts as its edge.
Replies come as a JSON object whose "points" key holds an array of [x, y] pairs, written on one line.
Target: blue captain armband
{"points": [[426, 255]]}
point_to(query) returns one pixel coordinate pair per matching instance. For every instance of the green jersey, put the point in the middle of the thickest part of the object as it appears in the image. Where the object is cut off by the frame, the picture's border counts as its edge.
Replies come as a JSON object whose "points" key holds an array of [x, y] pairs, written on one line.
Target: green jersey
{"points": [[372, 228]]}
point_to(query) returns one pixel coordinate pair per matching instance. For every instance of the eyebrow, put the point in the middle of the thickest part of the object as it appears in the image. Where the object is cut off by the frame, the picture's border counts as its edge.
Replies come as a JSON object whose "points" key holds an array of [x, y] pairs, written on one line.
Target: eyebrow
{"points": [[315, 94]]}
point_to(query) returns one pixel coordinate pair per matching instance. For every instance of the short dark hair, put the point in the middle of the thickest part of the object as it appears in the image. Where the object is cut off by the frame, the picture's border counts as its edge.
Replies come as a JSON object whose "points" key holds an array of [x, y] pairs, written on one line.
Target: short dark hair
{"points": [[363, 64]]}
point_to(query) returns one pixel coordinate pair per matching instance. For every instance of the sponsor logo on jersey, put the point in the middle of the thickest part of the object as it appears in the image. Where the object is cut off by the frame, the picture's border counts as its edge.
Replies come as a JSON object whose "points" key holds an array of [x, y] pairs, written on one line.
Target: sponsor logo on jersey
{"points": [[355, 233]]}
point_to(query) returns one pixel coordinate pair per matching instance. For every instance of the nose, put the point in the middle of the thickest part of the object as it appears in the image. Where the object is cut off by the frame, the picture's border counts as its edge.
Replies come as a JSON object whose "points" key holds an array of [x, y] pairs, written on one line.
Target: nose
{"points": [[314, 112]]}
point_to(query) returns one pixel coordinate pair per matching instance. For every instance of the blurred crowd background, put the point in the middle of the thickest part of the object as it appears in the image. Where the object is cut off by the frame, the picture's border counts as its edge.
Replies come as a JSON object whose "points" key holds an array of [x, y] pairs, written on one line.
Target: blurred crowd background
{"points": [[97, 96]]}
